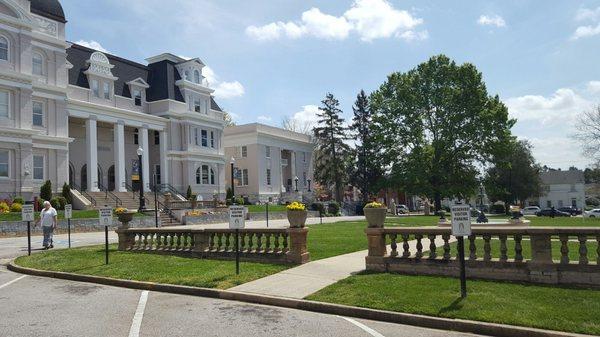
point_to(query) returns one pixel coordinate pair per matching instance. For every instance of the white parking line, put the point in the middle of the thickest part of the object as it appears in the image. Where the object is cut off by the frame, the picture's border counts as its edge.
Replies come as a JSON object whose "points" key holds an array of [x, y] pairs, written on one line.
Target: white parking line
{"points": [[13, 281], [139, 315], [364, 327]]}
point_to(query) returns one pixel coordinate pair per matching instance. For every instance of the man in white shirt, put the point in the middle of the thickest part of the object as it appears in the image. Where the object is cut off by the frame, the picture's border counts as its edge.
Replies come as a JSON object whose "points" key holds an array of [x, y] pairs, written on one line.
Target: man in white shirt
{"points": [[48, 218]]}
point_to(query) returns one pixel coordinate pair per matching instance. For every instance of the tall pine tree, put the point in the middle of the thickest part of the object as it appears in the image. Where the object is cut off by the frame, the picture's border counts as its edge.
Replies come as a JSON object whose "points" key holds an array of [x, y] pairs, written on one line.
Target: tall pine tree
{"points": [[331, 153], [367, 170]]}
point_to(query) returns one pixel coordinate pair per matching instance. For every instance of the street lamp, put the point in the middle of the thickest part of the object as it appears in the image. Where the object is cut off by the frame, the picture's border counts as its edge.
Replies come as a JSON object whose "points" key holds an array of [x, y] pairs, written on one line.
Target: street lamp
{"points": [[296, 180], [232, 161], [140, 152], [309, 184]]}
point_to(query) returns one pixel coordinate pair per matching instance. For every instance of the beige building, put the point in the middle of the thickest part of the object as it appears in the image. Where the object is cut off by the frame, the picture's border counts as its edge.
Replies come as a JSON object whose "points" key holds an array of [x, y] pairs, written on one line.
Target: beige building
{"points": [[270, 164]]}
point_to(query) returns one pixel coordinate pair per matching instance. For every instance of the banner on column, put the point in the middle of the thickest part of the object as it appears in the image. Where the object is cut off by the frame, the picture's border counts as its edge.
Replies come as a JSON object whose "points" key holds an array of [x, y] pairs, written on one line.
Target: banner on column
{"points": [[135, 170]]}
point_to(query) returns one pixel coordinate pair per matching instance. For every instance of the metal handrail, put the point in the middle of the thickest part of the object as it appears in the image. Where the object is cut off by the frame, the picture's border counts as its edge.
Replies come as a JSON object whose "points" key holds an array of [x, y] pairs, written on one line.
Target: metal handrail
{"points": [[166, 210], [107, 193], [129, 187], [169, 188], [85, 194]]}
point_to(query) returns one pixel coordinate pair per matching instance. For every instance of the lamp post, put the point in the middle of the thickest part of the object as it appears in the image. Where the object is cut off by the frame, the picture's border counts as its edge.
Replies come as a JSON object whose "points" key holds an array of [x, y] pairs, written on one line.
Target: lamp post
{"points": [[296, 181], [232, 161], [309, 184], [140, 152]]}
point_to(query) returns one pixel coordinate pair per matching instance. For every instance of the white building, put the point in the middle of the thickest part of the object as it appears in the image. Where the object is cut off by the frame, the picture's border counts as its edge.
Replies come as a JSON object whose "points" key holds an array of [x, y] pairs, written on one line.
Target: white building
{"points": [[272, 164], [72, 114], [563, 189]]}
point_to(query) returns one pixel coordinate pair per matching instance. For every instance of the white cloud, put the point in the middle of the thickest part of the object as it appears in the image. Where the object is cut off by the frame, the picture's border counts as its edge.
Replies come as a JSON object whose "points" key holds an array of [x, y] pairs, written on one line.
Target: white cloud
{"points": [[590, 15], [93, 45], [586, 31], [370, 19], [308, 114], [263, 118], [585, 14], [223, 90], [491, 20], [564, 105], [593, 87]]}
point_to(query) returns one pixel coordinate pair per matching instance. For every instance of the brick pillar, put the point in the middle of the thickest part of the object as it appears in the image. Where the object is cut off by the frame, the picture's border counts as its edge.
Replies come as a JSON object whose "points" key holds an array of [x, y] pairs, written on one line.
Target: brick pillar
{"points": [[126, 239], [375, 261], [200, 242], [298, 252], [541, 267]]}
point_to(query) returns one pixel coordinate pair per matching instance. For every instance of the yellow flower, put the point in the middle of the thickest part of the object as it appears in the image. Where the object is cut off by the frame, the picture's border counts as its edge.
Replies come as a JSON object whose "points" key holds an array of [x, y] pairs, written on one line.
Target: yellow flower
{"points": [[374, 204], [296, 206], [120, 210]]}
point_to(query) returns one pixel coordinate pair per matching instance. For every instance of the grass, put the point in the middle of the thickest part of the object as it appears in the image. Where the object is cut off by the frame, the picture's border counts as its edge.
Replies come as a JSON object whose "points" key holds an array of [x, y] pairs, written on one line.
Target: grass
{"points": [[149, 267], [572, 310], [262, 208]]}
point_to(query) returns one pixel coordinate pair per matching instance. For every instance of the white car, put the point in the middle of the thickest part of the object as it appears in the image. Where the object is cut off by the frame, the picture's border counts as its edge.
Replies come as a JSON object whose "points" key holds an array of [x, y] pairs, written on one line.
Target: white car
{"points": [[595, 213], [401, 209], [531, 210]]}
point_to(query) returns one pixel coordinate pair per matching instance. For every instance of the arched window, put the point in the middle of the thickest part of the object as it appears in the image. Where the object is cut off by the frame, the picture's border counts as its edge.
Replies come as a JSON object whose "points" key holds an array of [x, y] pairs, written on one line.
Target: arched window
{"points": [[188, 77], [212, 176], [199, 175], [3, 48], [196, 76], [37, 64]]}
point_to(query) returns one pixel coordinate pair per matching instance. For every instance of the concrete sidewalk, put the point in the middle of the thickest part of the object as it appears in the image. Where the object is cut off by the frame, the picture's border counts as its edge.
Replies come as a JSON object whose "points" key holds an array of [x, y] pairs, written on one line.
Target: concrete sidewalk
{"points": [[306, 279]]}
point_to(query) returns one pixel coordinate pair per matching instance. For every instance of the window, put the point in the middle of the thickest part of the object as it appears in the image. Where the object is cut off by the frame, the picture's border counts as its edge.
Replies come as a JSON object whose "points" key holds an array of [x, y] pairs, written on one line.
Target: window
{"points": [[212, 176], [196, 76], [106, 87], [137, 97], [204, 138], [268, 152], [3, 48], [156, 138], [269, 177], [243, 178], [4, 104], [38, 167], [197, 105], [187, 76], [96, 89], [136, 137], [196, 137], [244, 151], [4, 163], [37, 67], [157, 173], [198, 175], [212, 139], [38, 114]]}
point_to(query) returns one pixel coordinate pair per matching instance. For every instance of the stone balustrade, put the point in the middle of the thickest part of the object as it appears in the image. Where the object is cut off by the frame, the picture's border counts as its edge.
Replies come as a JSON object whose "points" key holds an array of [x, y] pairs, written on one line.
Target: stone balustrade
{"points": [[273, 245], [557, 255]]}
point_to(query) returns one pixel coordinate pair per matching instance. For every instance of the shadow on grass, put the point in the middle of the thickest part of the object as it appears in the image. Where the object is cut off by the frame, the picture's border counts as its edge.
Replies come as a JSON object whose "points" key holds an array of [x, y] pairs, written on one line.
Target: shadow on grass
{"points": [[456, 305]]}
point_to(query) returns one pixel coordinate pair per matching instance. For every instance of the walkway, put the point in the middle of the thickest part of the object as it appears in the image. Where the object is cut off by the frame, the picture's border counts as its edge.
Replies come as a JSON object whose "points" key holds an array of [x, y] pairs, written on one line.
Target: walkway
{"points": [[306, 279]]}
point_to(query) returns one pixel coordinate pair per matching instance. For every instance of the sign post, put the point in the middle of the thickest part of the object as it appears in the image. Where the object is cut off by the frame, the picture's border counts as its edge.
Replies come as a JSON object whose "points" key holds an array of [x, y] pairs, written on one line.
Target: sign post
{"points": [[237, 221], [461, 227], [27, 216], [267, 210], [68, 216], [106, 220]]}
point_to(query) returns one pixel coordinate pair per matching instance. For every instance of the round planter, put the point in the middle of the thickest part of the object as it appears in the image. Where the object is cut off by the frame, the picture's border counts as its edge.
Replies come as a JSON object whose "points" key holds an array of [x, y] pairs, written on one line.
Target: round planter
{"points": [[297, 219], [125, 218], [375, 216]]}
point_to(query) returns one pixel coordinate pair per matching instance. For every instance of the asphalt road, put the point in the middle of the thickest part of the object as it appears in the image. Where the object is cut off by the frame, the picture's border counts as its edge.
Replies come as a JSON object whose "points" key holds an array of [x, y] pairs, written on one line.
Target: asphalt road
{"points": [[34, 306]]}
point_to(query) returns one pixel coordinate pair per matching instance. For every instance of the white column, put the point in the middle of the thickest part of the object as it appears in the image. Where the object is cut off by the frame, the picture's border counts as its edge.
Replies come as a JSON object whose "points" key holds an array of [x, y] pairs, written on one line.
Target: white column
{"points": [[293, 167], [145, 158], [164, 166], [119, 148], [91, 138]]}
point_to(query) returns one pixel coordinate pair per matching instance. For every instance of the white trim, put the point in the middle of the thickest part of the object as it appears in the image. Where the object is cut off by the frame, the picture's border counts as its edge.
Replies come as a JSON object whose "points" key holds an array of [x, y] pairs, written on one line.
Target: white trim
{"points": [[44, 114], [12, 281], [44, 162], [9, 151]]}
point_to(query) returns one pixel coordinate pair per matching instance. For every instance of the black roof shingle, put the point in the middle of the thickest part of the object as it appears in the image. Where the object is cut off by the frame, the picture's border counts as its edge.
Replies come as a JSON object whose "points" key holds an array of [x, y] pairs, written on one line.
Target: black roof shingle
{"points": [[50, 9]]}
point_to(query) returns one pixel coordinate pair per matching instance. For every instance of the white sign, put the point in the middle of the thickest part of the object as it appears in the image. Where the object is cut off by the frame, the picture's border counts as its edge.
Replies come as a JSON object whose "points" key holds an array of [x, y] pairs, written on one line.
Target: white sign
{"points": [[27, 212], [68, 211], [461, 220], [237, 217], [105, 216]]}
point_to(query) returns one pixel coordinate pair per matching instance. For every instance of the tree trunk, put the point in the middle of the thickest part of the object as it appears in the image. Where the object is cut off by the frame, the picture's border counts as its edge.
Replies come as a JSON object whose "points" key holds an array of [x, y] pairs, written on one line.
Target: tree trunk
{"points": [[437, 201]]}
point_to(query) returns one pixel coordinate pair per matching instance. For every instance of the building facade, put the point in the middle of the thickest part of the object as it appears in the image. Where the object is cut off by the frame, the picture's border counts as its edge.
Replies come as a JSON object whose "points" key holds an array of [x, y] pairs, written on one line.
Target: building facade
{"points": [[562, 189], [70, 114], [270, 164]]}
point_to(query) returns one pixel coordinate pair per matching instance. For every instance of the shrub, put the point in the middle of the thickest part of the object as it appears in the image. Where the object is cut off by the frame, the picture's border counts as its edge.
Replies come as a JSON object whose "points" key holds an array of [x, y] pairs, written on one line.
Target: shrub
{"points": [[591, 201], [188, 193], [333, 208], [239, 201], [229, 193], [58, 202], [4, 207], [441, 214], [46, 190], [66, 193], [498, 209], [16, 207], [318, 206], [18, 200]]}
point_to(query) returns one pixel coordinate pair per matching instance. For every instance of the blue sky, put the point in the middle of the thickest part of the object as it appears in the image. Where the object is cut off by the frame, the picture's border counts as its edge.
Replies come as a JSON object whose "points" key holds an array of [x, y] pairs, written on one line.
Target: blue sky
{"points": [[271, 59]]}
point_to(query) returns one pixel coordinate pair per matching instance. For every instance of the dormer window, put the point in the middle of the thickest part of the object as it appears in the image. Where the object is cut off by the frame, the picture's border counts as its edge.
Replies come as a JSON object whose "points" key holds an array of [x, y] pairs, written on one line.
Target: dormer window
{"points": [[188, 77], [95, 88], [196, 76], [3, 48], [137, 89], [37, 64], [106, 90], [137, 97], [197, 105]]}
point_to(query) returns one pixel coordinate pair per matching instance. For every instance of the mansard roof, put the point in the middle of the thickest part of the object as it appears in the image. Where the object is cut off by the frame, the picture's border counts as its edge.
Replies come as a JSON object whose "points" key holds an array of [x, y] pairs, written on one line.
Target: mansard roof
{"points": [[50, 9], [161, 76]]}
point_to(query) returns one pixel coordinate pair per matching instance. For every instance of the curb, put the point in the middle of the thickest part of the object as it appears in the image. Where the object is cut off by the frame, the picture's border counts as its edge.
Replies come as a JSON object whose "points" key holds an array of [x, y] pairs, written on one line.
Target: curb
{"points": [[459, 325]]}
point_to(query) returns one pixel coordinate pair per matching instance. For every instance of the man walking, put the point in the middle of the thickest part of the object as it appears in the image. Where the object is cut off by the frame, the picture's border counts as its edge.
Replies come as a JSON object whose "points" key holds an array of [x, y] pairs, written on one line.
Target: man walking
{"points": [[48, 219]]}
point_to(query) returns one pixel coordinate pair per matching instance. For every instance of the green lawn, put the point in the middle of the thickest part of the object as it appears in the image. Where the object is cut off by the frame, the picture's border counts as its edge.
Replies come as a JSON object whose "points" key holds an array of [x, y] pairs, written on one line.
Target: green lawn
{"points": [[262, 208], [149, 267], [77, 214], [573, 310]]}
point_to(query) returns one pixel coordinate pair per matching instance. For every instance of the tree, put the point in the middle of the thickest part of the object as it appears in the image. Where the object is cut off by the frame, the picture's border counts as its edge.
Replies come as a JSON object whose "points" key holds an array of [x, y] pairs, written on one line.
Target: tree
{"points": [[588, 133], [228, 119], [514, 175], [66, 193], [293, 124], [331, 152], [435, 123], [367, 171], [46, 191]]}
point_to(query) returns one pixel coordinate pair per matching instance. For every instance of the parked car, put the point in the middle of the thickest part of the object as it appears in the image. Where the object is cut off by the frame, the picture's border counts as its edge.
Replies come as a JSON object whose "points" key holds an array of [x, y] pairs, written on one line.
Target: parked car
{"points": [[595, 213], [530, 210], [401, 209], [552, 212], [571, 210]]}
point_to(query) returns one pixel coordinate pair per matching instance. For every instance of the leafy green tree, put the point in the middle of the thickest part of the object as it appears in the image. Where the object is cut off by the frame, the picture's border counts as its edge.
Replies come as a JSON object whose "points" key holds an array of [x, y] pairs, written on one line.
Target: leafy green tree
{"points": [[46, 191], [367, 170], [331, 153], [66, 193], [514, 175], [435, 123]]}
